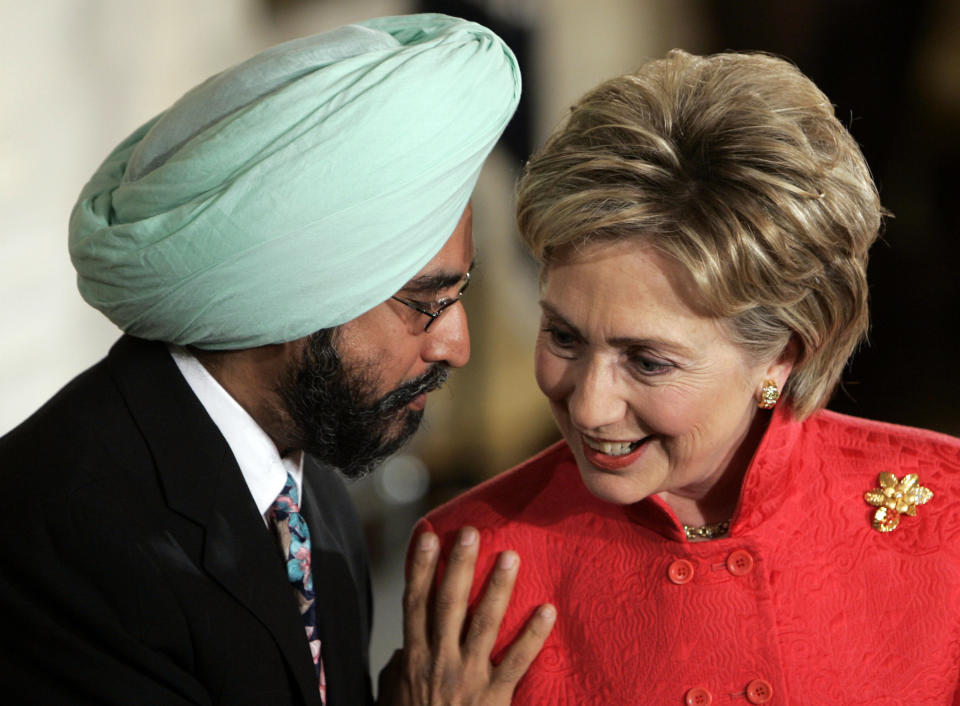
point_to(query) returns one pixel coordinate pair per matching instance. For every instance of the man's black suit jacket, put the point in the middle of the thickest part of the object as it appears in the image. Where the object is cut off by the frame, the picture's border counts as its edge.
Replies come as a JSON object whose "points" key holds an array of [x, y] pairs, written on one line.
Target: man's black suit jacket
{"points": [[136, 569]]}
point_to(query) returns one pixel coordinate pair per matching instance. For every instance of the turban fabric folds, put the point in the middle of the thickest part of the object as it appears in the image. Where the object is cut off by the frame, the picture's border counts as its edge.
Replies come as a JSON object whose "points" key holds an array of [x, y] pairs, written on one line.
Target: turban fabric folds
{"points": [[298, 189]]}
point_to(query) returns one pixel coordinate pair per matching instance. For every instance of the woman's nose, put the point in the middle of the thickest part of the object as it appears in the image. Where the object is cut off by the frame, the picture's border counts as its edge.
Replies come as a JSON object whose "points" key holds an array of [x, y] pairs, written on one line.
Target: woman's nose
{"points": [[596, 400]]}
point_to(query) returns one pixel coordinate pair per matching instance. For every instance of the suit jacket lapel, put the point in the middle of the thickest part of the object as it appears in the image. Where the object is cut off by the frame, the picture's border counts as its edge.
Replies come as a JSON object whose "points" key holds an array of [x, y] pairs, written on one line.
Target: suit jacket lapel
{"points": [[241, 554], [202, 481]]}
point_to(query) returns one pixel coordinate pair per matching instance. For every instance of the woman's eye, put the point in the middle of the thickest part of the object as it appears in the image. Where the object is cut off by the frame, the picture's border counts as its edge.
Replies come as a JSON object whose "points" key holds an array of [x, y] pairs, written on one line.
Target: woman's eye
{"points": [[559, 337], [649, 366]]}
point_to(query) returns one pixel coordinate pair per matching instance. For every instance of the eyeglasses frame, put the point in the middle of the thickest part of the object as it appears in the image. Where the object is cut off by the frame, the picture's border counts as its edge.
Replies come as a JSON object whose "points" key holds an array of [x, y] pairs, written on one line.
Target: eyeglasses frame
{"points": [[440, 305]]}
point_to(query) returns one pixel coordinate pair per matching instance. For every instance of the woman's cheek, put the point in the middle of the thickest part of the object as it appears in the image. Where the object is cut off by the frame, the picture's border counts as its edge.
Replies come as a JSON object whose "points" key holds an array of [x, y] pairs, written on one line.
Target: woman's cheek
{"points": [[549, 371], [667, 411]]}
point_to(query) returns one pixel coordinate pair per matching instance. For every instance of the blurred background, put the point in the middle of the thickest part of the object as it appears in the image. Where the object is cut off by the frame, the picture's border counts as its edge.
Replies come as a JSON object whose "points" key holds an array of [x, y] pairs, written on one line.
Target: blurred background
{"points": [[79, 75]]}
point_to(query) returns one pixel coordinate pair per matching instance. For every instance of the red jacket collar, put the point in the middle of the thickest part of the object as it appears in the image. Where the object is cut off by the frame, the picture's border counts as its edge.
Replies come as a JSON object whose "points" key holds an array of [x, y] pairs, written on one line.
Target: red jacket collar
{"points": [[769, 481]]}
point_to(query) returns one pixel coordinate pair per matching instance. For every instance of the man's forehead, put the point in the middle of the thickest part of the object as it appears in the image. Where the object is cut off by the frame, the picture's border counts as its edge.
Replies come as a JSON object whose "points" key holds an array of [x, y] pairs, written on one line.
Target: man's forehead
{"points": [[452, 261]]}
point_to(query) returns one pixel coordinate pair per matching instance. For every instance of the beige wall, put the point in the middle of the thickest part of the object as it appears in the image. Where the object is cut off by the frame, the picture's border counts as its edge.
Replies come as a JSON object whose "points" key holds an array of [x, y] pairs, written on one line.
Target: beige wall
{"points": [[583, 42]]}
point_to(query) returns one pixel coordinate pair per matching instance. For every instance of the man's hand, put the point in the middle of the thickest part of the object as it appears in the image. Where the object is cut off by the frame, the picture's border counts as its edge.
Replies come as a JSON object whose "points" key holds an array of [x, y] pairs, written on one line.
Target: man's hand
{"points": [[440, 662]]}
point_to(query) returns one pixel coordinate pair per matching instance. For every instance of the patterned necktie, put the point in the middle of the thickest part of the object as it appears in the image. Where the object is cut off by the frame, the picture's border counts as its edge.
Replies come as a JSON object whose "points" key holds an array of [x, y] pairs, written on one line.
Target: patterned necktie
{"points": [[294, 538]]}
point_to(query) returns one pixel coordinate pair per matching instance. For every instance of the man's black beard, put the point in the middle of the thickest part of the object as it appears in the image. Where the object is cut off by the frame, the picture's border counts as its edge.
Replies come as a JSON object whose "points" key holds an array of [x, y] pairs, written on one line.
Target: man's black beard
{"points": [[336, 415]]}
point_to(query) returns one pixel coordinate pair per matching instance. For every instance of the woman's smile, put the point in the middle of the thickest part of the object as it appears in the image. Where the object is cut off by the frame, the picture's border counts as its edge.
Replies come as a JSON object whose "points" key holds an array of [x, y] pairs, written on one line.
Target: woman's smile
{"points": [[612, 455]]}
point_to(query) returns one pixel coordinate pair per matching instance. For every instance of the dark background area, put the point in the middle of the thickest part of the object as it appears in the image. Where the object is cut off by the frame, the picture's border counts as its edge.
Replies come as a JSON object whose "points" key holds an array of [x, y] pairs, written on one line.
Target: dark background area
{"points": [[869, 59]]}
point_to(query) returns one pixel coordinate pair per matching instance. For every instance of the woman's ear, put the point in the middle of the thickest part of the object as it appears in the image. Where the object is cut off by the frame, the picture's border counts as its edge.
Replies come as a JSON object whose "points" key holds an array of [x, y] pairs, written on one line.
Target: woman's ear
{"points": [[780, 368]]}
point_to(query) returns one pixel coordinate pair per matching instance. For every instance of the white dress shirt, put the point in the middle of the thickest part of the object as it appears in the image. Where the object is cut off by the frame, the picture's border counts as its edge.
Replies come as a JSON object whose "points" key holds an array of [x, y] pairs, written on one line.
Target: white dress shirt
{"points": [[263, 469]]}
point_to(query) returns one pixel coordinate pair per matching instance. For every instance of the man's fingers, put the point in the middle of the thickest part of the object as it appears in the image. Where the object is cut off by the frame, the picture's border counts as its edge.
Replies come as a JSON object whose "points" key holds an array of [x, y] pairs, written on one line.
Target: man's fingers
{"points": [[416, 593], [525, 648], [434, 665], [485, 623], [454, 592]]}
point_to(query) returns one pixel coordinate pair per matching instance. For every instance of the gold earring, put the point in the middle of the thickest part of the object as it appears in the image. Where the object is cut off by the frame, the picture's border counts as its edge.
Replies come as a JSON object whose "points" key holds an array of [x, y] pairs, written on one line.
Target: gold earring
{"points": [[769, 394]]}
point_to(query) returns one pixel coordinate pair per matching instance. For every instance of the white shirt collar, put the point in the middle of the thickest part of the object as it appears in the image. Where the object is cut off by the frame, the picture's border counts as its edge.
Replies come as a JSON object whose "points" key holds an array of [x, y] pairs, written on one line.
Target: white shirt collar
{"points": [[264, 471]]}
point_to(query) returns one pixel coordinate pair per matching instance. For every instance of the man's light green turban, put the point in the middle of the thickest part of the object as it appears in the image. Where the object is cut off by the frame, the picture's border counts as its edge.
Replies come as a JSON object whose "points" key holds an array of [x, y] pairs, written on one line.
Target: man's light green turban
{"points": [[298, 189]]}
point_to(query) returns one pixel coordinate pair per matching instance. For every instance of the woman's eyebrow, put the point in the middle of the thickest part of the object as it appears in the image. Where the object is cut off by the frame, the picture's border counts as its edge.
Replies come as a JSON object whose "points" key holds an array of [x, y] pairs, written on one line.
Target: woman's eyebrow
{"points": [[551, 312], [620, 341]]}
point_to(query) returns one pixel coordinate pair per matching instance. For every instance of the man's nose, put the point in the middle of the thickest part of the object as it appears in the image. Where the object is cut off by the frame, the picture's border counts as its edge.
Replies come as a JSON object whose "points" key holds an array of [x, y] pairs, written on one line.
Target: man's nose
{"points": [[448, 340]]}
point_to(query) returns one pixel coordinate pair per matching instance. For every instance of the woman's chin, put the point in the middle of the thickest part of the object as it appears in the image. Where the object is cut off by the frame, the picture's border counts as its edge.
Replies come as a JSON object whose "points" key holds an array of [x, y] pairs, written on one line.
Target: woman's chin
{"points": [[612, 486]]}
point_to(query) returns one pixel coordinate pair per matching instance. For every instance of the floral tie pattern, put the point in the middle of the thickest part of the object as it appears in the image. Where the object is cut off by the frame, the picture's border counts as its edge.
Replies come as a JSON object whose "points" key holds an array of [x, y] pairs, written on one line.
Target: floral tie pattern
{"points": [[294, 538]]}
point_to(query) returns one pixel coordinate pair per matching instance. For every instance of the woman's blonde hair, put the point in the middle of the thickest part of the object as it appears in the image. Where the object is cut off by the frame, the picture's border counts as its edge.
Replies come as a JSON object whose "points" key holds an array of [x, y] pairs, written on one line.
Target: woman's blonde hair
{"points": [[734, 166]]}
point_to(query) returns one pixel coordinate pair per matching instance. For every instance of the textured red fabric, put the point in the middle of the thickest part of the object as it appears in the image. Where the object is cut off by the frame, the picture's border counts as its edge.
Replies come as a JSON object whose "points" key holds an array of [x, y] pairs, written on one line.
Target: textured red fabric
{"points": [[830, 612]]}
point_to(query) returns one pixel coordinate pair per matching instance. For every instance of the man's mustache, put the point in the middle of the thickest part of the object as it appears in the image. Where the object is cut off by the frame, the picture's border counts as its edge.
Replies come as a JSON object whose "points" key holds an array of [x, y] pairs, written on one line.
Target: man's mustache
{"points": [[432, 379]]}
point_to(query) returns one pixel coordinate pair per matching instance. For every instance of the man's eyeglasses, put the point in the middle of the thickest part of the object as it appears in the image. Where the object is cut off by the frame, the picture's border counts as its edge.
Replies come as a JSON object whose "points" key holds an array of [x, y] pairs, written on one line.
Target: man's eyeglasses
{"points": [[434, 309]]}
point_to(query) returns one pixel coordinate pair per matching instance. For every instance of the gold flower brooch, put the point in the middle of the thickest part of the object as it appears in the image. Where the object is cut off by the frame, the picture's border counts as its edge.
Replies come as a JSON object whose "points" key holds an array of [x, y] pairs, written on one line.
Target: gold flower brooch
{"points": [[894, 498]]}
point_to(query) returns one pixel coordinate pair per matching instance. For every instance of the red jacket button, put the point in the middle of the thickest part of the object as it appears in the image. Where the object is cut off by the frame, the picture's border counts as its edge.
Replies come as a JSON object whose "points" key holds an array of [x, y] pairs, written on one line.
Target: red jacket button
{"points": [[698, 696], [739, 562], [680, 571], [759, 691]]}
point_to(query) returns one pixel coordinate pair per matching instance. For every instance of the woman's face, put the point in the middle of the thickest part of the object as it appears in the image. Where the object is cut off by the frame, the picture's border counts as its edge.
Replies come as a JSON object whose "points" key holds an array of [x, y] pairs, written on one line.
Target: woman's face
{"points": [[651, 396]]}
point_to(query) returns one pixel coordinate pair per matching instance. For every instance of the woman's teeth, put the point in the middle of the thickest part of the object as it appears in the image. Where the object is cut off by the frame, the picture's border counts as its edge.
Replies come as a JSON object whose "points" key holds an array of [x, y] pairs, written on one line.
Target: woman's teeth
{"points": [[612, 448]]}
